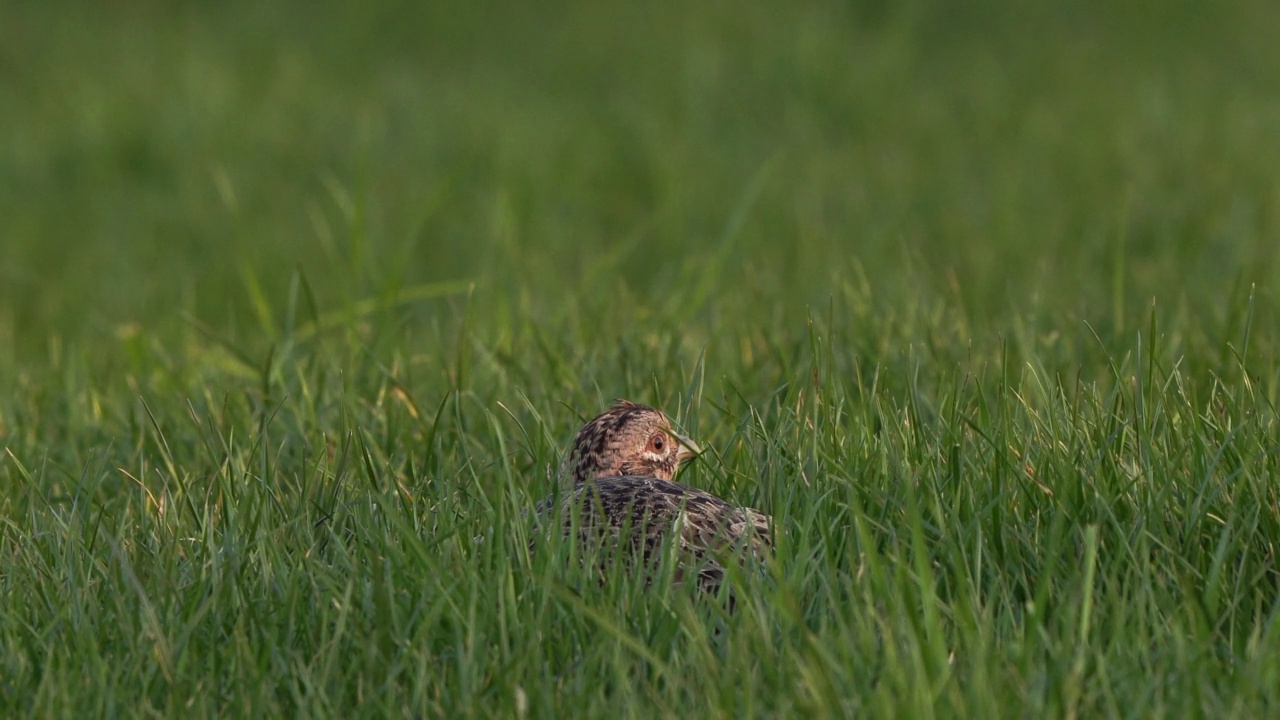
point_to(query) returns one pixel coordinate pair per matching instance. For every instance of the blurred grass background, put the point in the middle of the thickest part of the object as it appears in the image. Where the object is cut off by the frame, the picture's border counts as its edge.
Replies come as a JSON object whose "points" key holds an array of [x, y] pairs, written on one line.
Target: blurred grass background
{"points": [[296, 299], [1074, 159]]}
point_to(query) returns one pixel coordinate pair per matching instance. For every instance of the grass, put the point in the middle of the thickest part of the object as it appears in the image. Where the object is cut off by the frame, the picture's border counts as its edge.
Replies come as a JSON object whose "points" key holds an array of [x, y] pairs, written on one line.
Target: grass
{"points": [[299, 304]]}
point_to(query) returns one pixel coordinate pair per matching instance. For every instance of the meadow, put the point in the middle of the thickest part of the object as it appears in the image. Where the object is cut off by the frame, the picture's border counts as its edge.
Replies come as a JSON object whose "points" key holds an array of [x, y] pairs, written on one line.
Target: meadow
{"points": [[301, 303]]}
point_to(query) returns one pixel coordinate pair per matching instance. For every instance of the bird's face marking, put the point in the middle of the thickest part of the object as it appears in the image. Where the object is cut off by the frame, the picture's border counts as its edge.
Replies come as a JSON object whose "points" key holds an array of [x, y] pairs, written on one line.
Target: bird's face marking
{"points": [[628, 439]]}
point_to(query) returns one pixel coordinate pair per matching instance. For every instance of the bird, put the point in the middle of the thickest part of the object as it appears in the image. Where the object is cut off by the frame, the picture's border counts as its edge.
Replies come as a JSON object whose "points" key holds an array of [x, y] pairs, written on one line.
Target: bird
{"points": [[619, 491]]}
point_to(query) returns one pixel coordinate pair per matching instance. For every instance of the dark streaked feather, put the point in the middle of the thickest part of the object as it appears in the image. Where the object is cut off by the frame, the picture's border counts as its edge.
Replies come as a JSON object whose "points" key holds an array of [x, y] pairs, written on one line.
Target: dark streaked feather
{"points": [[706, 529]]}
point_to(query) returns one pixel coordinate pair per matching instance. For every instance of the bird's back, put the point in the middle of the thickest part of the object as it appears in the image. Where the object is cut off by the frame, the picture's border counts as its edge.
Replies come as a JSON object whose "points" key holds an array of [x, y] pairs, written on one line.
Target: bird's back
{"points": [[641, 513]]}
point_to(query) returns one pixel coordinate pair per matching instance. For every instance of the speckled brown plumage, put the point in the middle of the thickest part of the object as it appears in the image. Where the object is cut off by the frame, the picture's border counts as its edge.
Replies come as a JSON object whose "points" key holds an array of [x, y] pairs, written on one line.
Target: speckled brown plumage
{"points": [[622, 495]]}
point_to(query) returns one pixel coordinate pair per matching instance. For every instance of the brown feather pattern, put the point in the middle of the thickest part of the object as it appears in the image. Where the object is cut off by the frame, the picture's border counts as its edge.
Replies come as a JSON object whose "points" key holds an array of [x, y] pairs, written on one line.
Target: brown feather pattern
{"points": [[623, 497]]}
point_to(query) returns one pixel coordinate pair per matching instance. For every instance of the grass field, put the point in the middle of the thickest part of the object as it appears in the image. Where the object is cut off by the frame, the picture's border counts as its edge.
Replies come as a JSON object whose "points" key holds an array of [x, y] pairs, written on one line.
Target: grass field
{"points": [[299, 303]]}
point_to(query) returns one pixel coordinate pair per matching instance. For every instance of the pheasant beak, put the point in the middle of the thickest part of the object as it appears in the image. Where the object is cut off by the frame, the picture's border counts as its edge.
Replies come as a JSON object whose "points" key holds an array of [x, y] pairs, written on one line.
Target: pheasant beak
{"points": [[688, 449]]}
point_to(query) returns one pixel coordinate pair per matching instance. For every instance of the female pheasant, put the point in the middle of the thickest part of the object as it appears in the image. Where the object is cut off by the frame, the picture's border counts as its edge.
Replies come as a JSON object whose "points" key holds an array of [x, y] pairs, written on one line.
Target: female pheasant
{"points": [[621, 468]]}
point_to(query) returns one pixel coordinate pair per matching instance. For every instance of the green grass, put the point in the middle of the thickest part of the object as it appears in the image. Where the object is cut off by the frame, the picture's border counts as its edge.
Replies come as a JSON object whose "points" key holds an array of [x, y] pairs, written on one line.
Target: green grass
{"points": [[300, 302]]}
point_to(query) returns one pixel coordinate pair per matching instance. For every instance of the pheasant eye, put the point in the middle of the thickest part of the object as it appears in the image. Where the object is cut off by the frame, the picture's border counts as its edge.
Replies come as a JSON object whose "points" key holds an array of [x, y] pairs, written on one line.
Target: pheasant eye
{"points": [[657, 443]]}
